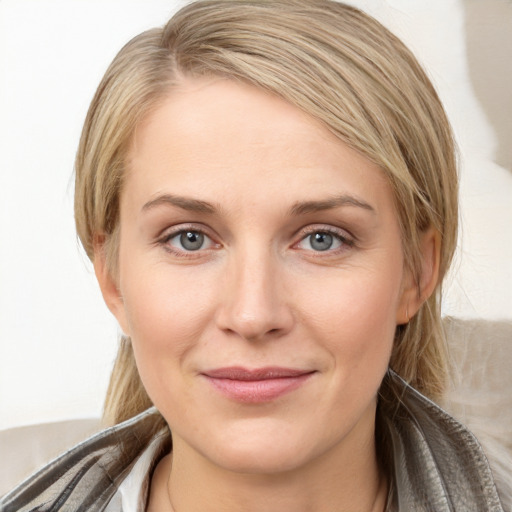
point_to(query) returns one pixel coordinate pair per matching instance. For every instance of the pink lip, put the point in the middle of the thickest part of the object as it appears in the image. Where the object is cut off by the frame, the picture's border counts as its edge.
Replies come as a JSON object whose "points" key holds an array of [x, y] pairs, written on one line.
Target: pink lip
{"points": [[256, 385]]}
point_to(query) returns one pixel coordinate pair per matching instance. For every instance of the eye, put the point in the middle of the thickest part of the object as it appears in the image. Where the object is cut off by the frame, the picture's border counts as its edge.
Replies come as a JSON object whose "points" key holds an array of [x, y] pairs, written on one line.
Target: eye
{"points": [[189, 240], [323, 240]]}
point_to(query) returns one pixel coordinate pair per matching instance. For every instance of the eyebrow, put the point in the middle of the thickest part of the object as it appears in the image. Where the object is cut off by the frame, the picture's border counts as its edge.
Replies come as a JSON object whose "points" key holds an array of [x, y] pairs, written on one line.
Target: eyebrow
{"points": [[299, 208], [185, 203], [302, 208]]}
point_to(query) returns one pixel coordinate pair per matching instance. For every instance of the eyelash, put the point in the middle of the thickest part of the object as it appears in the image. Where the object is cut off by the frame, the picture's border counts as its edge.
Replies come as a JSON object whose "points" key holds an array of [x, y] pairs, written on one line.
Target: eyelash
{"points": [[164, 241], [341, 236]]}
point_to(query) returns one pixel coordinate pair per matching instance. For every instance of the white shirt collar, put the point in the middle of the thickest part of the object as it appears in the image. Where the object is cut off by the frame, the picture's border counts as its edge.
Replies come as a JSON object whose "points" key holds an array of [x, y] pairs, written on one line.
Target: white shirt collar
{"points": [[132, 492]]}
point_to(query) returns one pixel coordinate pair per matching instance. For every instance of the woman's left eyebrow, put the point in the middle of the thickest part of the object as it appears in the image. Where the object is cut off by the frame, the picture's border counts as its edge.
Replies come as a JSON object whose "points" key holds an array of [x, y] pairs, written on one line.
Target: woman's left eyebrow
{"points": [[302, 208]]}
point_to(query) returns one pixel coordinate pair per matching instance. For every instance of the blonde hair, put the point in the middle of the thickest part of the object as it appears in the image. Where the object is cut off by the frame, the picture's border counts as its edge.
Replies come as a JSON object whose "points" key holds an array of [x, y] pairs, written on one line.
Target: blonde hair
{"points": [[335, 63]]}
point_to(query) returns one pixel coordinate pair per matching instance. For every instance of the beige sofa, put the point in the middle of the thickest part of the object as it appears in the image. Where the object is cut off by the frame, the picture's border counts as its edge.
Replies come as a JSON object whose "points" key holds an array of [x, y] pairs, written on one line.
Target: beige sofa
{"points": [[480, 394], [25, 449]]}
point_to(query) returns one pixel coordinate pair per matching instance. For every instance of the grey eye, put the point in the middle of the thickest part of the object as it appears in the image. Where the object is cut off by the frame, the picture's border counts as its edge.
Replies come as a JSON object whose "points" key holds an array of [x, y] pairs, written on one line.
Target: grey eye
{"points": [[191, 240], [321, 241]]}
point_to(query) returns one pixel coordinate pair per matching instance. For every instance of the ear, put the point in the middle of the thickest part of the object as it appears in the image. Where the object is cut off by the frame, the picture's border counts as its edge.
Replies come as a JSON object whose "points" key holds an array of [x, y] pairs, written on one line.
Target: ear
{"points": [[415, 293], [109, 284]]}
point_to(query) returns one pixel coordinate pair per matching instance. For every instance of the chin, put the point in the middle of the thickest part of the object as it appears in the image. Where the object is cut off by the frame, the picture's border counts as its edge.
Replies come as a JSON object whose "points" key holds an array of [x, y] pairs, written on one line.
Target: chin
{"points": [[257, 448], [260, 459]]}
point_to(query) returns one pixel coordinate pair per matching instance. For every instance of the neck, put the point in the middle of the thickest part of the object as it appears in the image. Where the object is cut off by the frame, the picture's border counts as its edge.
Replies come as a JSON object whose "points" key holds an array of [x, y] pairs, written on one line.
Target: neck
{"points": [[346, 475]]}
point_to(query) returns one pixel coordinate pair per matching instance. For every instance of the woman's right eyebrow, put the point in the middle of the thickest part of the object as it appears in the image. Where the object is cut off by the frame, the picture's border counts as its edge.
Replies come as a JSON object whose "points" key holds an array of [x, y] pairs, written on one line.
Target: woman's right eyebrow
{"points": [[185, 203]]}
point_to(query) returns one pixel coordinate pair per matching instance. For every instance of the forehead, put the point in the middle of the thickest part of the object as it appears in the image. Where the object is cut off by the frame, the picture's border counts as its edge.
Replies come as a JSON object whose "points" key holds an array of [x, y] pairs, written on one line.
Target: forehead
{"points": [[214, 137], [208, 111]]}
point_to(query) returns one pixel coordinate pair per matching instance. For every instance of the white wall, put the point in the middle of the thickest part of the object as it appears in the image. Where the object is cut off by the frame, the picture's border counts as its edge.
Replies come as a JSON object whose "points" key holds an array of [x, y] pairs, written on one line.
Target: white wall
{"points": [[57, 340]]}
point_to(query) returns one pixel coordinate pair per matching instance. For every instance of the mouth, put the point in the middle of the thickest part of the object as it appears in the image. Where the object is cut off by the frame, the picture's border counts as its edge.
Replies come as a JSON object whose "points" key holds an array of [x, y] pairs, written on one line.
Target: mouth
{"points": [[256, 385]]}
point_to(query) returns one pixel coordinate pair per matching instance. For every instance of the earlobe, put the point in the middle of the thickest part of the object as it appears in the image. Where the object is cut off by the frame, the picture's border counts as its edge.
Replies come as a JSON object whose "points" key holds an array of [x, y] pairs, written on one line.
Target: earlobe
{"points": [[417, 290], [109, 285]]}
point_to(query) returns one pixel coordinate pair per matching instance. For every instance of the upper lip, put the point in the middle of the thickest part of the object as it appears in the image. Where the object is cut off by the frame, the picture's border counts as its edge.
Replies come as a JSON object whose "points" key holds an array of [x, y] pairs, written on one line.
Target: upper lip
{"points": [[248, 374]]}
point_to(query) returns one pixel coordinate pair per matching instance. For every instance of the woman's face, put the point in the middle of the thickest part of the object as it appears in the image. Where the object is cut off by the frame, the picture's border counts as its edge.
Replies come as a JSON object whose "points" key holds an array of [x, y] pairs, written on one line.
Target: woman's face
{"points": [[260, 278]]}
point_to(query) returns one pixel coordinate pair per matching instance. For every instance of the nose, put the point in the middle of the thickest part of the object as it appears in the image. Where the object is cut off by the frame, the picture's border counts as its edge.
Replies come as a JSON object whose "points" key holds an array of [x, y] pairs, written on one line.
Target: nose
{"points": [[254, 303]]}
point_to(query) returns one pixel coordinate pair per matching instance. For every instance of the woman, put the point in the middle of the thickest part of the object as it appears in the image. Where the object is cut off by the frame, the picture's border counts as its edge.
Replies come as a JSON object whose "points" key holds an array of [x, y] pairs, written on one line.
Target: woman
{"points": [[268, 193]]}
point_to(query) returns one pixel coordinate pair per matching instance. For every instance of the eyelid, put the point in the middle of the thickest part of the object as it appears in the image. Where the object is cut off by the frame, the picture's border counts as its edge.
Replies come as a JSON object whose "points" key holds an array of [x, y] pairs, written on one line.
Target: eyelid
{"points": [[344, 236], [170, 232]]}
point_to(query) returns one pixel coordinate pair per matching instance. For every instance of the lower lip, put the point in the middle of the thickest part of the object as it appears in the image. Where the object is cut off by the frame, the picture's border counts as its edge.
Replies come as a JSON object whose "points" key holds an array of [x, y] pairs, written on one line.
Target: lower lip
{"points": [[257, 391]]}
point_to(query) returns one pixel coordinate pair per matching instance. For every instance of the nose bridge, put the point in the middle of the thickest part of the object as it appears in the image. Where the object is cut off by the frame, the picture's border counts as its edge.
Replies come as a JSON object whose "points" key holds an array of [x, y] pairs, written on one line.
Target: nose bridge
{"points": [[254, 305]]}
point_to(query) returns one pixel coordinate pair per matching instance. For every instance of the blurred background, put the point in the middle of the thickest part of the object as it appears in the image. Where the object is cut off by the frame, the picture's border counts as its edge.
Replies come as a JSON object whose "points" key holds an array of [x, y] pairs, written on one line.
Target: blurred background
{"points": [[57, 339]]}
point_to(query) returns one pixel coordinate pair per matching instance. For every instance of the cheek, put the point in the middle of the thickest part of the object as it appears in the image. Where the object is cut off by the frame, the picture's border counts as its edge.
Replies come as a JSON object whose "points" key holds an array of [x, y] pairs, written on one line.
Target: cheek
{"points": [[164, 303], [166, 312], [356, 315]]}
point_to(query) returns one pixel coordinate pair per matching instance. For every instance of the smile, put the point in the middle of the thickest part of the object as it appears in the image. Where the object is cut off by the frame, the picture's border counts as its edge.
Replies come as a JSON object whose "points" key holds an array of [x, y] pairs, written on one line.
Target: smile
{"points": [[256, 385]]}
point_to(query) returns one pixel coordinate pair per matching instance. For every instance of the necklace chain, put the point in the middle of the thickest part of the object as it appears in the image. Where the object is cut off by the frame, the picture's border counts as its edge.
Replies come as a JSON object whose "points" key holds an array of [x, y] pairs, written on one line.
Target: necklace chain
{"points": [[382, 480]]}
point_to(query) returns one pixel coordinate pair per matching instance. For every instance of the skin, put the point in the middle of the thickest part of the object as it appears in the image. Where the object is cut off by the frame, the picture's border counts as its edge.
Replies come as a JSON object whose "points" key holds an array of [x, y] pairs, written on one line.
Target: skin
{"points": [[258, 293]]}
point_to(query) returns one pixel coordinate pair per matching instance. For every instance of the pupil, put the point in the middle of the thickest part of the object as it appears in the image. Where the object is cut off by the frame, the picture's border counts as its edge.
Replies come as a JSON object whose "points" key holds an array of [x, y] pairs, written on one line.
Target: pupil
{"points": [[321, 241], [191, 240]]}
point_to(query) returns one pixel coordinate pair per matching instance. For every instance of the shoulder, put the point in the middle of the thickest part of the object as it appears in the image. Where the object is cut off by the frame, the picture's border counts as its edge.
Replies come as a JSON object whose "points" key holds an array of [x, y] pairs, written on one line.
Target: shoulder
{"points": [[88, 475], [436, 460]]}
